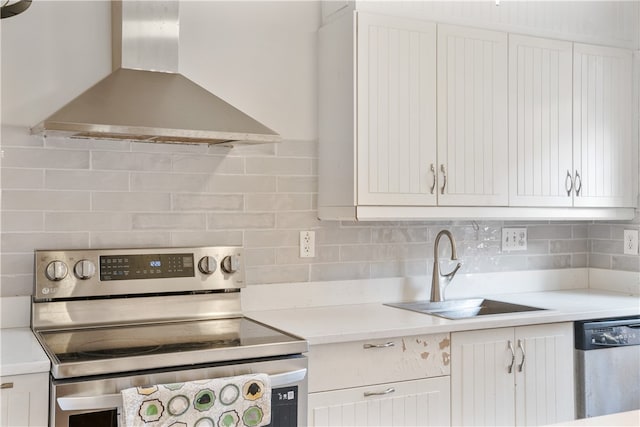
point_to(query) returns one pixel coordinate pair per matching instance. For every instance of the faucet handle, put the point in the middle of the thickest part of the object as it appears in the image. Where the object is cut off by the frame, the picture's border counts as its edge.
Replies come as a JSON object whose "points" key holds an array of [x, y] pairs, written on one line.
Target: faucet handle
{"points": [[449, 276]]}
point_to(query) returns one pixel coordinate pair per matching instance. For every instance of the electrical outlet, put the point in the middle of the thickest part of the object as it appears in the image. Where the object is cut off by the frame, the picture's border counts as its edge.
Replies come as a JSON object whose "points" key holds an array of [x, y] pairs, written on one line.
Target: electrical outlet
{"points": [[631, 242], [514, 239], [307, 244]]}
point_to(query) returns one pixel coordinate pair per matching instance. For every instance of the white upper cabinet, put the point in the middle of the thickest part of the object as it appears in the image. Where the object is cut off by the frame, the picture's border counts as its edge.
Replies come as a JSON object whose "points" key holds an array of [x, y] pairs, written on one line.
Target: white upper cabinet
{"points": [[472, 117], [422, 120], [540, 138], [396, 84], [604, 151]]}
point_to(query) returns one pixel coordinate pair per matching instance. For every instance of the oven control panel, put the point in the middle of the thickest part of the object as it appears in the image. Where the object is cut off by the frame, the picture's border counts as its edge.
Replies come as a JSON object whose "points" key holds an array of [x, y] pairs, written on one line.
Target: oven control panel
{"points": [[89, 273]]}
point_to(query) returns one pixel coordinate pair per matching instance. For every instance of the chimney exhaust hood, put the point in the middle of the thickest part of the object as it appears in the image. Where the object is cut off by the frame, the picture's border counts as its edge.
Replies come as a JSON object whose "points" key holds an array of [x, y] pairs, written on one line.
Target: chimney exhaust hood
{"points": [[145, 98]]}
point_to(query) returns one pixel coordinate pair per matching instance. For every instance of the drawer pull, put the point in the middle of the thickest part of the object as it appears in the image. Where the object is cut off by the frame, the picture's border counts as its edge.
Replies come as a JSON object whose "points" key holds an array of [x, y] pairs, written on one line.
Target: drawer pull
{"points": [[6, 385], [385, 345], [379, 393]]}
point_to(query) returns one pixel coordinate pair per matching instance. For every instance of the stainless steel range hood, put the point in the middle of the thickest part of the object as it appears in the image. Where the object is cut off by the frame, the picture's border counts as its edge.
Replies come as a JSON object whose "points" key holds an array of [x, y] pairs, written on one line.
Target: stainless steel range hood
{"points": [[145, 98]]}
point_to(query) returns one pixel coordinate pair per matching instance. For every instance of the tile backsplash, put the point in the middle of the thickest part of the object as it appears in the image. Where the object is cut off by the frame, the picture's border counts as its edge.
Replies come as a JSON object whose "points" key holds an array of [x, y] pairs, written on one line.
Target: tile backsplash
{"points": [[73, 193]]}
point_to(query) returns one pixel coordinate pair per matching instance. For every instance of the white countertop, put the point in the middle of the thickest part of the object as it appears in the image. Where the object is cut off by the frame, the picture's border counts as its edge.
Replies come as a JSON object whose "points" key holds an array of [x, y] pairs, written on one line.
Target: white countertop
{"points": [[631, 418], [21, 353], [354, 322]]}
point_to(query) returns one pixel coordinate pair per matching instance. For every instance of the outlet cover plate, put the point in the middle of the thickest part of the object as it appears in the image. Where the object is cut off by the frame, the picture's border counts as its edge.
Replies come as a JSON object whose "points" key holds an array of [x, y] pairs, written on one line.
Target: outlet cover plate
{"points": [[307, 244], [631, 242], [514, 239]]}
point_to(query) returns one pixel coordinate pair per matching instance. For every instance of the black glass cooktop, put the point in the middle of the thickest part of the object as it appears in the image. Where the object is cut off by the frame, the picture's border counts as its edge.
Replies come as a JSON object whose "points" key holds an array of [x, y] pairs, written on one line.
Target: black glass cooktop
{"points": [[105, 349]]}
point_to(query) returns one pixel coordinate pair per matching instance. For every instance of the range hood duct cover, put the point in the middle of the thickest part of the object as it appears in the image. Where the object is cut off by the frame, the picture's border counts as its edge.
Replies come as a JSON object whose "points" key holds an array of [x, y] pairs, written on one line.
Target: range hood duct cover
{"points": [[145, 99]]}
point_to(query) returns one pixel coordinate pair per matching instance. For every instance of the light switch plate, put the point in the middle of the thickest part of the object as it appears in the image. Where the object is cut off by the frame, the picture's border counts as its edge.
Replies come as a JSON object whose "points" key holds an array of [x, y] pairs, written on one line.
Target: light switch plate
{"points": [[514, 239], [631, 242]]}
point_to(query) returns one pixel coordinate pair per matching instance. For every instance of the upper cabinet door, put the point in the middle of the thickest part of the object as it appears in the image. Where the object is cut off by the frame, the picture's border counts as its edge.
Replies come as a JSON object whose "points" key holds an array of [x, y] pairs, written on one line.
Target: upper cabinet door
{"points": [[472, 117], [604, 153], [540, 138], [396, 114]]}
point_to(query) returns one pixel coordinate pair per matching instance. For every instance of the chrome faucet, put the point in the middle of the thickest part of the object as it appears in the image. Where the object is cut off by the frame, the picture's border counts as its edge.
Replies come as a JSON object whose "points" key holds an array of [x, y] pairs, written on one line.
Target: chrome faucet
{"points": [[440, 281]]}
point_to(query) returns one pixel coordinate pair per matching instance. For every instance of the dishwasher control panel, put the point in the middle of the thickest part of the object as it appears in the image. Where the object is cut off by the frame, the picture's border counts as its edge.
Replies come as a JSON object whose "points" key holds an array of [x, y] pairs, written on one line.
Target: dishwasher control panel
{"points": [[605, 333]]}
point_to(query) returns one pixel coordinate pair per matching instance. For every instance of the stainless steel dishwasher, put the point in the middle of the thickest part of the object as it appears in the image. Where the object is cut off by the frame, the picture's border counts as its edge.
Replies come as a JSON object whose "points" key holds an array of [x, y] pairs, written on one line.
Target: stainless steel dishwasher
{"points": [[607, 366]]}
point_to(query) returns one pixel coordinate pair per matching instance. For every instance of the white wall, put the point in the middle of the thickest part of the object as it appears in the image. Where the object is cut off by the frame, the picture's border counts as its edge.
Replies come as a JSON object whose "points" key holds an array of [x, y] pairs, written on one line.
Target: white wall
{"points": [[259, 56]]}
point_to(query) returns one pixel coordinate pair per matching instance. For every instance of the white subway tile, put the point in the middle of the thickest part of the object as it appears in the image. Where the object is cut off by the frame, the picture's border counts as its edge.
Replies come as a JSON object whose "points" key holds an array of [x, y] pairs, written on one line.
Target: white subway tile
{"points": [[130, 161], [276, 274], [545, 262], [169, 182], [208, 202], [335, 235], [240, 220], [278, 202], [299, 220], [254, 257], [13, 264], [22, 221], [297, 184], [271, 238], [20, 178], [87, 221], [208, 164], [279, 166], [625, 262], [44, 158], [291, 255], [168, 221], [206, 238], [130, 202], [86, 180], [130, 239], [340, 271], [42, 200], [16, 285], [28, 242], [241, 184]]}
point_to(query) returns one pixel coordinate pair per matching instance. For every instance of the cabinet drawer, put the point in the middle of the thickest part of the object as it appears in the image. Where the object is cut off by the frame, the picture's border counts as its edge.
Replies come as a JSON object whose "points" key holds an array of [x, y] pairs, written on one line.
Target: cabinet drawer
{"points": [[358, 363], [409, 403]]}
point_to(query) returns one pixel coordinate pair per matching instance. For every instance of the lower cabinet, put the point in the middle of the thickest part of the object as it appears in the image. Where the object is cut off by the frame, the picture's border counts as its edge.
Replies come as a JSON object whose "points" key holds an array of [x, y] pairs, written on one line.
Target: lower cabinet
{"points": [[398, 381], [25, 400], [513, 376], [408, 403]]}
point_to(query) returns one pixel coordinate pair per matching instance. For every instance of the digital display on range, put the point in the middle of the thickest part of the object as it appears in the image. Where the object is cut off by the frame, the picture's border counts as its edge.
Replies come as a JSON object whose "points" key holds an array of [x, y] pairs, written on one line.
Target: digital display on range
{"points": [[158, 266]]}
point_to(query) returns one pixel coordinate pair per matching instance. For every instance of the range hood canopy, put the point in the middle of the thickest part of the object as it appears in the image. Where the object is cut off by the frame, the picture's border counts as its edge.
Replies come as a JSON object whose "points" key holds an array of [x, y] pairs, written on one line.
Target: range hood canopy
{"points": [[145, 98]]}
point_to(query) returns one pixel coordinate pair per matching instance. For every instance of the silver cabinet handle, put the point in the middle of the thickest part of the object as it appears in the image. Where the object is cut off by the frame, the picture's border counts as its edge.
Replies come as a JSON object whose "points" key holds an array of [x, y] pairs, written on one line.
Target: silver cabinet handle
{"points": [[6, 385], [513, 357], [444, 178], [578, 183], [524, 355], [433, 172], [385, 345], [570, 186], [379, 393]]}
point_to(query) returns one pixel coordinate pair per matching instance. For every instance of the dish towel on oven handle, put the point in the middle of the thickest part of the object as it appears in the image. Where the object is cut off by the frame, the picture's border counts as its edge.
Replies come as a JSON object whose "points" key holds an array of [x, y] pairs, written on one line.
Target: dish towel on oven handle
{"points": [[243, 400]]}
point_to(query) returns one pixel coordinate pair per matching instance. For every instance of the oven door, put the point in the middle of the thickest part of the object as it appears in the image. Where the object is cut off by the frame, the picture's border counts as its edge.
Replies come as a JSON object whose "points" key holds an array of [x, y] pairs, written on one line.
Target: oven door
{"points": [[97, 402]]}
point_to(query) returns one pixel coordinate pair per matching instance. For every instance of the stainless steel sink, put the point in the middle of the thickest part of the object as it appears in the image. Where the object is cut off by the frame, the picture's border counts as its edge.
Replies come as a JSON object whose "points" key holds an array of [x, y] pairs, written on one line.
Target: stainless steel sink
{"points": [[463, 308]]}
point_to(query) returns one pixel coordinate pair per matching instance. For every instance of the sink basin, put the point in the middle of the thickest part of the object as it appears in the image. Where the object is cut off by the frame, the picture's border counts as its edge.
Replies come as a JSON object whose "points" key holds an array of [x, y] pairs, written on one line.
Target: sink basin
{"points": [[463, 308]]}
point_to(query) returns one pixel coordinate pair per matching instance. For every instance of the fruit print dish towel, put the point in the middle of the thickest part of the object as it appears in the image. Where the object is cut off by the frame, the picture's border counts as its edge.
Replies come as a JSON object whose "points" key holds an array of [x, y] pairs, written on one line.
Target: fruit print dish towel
{"points": [[240, 401]]}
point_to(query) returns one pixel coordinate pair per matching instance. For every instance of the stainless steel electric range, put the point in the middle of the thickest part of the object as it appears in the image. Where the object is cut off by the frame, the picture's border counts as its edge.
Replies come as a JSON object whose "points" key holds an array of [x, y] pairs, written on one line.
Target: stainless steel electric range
{"points": [[118, 318]]}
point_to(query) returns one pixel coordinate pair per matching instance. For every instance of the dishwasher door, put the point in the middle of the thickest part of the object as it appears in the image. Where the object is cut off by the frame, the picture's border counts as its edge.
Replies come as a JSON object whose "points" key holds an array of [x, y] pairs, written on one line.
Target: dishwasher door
{"points": [[607, 366]]}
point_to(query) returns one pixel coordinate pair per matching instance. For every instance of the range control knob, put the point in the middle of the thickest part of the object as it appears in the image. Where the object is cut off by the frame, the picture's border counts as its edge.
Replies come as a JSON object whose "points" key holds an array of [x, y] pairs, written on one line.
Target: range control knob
{"points": [[230, 264], [84, 269], [207, 265], [56, 271]]}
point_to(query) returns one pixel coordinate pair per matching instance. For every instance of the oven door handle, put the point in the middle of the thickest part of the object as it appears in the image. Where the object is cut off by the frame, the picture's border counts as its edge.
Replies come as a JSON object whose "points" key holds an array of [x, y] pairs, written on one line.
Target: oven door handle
{"points": [[110, 401]]}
